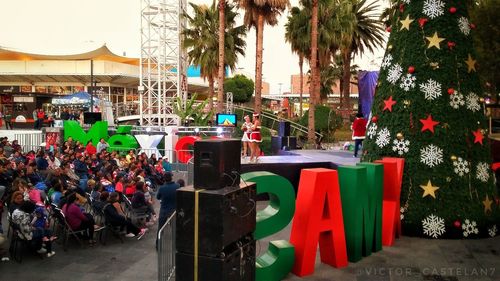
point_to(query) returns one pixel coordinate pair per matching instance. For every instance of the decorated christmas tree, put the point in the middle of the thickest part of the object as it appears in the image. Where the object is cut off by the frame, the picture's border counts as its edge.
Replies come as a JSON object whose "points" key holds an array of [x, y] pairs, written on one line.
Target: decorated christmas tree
{"points": [[428, 109]]}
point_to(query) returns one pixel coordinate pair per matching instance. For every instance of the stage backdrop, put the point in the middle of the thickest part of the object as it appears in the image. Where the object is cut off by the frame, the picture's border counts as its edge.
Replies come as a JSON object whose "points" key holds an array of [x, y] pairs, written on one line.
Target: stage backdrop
{"points": [[367, 83]]}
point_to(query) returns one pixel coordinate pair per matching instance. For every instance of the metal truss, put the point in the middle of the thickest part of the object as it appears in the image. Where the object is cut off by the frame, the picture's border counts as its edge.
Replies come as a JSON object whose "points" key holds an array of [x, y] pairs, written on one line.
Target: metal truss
{"points": [[163, 62]]}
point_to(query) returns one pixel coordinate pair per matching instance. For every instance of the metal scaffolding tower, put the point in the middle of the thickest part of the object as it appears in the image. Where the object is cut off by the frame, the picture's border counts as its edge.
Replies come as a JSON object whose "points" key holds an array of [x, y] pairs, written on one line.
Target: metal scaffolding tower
{"points": [[163, 62]]}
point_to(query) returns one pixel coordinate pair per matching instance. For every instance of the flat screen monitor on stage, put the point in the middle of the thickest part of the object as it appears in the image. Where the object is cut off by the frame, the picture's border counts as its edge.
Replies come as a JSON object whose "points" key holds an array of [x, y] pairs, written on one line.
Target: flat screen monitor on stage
{"points": [[91, 117], [226, 120]]}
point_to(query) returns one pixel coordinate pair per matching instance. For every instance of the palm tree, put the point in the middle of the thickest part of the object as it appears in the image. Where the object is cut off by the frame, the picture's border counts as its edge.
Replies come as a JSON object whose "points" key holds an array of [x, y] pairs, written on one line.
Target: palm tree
{"points": [[220, 84], [367, 34], [202, 45], [296, 34], [257, 13]]}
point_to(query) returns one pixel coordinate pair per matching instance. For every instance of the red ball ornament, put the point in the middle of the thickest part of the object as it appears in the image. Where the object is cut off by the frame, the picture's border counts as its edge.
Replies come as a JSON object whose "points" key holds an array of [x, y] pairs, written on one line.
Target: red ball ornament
{"points": [[451, 91], [457, 224], [401, 7], [451, 45], [388, 29], [411, 69], [374, 119], [453, 10], [422, 22], [472, 26]]}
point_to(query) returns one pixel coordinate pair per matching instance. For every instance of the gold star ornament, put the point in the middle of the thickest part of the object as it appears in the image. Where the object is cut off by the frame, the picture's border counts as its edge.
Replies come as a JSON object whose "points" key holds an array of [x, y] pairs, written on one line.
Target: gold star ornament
{"points": [[471, 64], [429, 189], [405, 24], [487, 204], [434, 41]]}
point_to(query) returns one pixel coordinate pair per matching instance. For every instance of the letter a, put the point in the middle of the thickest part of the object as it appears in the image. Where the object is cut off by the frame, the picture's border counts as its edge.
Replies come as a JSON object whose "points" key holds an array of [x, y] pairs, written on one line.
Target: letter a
{"points": [[318, 218]]}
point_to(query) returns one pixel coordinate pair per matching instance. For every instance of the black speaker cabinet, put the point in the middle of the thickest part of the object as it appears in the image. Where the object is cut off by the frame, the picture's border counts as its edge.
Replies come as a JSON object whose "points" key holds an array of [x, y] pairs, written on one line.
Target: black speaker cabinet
{"points": [[224, 216], [284, 129], [235, 263], [217, 163], [283, 143], [91, 117]]}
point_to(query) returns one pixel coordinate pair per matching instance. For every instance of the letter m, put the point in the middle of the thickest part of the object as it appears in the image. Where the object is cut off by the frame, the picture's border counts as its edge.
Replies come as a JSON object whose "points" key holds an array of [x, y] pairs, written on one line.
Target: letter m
{"points": [[95, 133]]}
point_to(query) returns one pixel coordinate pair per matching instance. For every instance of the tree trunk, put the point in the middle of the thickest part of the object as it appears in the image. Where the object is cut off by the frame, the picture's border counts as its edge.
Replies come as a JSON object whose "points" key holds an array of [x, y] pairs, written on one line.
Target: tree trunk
{"points": [[301, 65], [220, 82], [258, 64], [314, 72], [346, 79], [210, 94]]}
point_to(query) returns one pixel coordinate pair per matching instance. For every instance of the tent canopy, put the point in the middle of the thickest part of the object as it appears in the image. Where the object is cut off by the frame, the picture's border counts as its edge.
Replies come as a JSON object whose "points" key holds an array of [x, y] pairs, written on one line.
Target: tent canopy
{"points": [[76, 98]]}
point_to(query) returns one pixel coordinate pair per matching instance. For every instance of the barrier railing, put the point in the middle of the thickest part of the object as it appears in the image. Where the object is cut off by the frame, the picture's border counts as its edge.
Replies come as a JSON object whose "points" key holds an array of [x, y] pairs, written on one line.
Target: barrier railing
{"points": [[166, 250]]}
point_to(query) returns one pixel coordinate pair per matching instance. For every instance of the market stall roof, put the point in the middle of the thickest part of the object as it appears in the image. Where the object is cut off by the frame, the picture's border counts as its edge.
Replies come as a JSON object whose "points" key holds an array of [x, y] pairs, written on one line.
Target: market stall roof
{"points": [[101, 53], [76, 98]]}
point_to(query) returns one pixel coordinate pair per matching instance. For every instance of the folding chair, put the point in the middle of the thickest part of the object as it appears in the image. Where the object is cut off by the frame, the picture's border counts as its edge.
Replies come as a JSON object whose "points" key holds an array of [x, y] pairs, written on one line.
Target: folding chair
{"points": [[137, 214], [66, 230], [18, 239]]}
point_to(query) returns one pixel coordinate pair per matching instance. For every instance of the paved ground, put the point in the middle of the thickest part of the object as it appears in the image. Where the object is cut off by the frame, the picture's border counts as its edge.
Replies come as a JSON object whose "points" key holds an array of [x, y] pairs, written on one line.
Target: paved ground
{"points": [[412, 259]]}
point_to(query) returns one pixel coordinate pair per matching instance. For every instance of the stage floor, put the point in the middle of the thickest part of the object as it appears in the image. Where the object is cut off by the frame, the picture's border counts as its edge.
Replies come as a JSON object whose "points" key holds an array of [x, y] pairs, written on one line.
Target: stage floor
{"points": [[307, 156], [291, 165]]}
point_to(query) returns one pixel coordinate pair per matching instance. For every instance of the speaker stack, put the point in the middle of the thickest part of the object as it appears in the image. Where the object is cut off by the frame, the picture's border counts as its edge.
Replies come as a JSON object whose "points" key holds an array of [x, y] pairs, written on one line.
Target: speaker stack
{"points": [[216, 217], [283, 141]]}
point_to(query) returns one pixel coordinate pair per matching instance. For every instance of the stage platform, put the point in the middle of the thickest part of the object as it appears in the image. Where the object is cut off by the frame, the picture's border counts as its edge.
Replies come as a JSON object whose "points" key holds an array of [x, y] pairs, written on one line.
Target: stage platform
{"points": [[291, 163]]}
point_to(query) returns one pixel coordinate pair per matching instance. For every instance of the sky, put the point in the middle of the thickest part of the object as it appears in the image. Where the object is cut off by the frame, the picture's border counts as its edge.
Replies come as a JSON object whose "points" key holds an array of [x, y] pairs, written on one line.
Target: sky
{"points": [[73, 26]]}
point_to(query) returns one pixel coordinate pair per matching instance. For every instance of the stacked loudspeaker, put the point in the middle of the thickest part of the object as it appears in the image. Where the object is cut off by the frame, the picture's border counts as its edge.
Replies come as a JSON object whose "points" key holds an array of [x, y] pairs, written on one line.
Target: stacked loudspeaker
{"points": [[216, 217], [283, 141]]}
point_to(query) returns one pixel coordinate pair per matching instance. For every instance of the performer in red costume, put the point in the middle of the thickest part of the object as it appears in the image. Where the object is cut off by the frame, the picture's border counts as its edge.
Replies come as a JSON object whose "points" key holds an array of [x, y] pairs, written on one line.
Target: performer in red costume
{"points": [[255, 138]]}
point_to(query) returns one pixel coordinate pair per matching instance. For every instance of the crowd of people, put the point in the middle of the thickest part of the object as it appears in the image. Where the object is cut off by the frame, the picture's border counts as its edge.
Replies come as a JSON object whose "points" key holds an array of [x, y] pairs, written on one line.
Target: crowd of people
{"points": [[75, 176]]}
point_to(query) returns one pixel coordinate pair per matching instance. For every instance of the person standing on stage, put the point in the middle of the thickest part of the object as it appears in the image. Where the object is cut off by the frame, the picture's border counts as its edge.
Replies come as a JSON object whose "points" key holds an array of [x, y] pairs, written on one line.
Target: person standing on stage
{"points": [[245, 140], [255, 138]]}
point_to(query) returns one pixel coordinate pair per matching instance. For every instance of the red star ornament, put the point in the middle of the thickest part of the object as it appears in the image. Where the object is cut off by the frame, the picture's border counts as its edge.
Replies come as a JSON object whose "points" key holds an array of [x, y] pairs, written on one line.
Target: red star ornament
{"points": [[388, 104], [428, 124], [478, 136]]}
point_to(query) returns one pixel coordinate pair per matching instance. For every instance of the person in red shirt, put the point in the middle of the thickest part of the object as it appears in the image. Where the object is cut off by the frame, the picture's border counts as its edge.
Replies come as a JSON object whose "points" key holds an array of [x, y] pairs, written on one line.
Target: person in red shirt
{"points": [[90, 149], [358, 132]]}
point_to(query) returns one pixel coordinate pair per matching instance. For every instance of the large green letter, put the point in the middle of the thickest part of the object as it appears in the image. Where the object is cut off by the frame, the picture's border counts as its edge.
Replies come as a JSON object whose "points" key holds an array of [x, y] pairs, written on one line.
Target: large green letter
{"points": [[277, 262], [95, 133], [122, 140], [361, 192]]}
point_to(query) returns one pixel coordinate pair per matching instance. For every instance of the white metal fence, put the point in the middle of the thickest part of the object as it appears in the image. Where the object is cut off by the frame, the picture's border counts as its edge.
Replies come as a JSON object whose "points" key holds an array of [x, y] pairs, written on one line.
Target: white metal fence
{"points": [[166, 250]]}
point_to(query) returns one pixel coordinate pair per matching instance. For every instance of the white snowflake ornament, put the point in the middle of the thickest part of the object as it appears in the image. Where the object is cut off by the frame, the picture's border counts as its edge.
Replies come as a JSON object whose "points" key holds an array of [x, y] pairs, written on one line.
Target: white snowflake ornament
{"points": [[461, 166], [456, 100], [407, 82], [433, 8], [406, 1], [387, 61], [431, 89], [431, 155], [469, 227], [372, 131], [383, 138], [472, 102], [483, 172], [493, 231], [401, 146], [394, 73], [433, 226], [464, 25]]}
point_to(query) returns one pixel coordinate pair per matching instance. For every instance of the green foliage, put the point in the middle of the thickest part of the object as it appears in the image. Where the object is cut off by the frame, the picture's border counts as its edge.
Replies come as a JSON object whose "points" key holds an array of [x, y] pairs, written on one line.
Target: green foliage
{"points": [[326, 120], [193, 112], [485, 15], [459, 197], [202, 43], [241, 87]]}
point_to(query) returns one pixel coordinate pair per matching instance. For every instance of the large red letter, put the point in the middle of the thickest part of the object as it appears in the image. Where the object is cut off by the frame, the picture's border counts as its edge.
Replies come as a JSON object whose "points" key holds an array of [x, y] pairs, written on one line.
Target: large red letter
{"points": [[393, 179], [182, 148], [318, 217]]}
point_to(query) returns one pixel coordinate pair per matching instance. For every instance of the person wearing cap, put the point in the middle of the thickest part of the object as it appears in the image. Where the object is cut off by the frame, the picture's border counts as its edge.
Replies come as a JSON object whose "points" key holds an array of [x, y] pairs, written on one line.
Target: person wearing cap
{"points": [[245, 140], [255, 138]]}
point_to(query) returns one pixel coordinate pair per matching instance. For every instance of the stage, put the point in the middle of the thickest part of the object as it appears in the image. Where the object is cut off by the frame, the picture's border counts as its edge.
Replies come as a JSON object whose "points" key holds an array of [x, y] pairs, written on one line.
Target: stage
{"points": [[290, 165]]}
